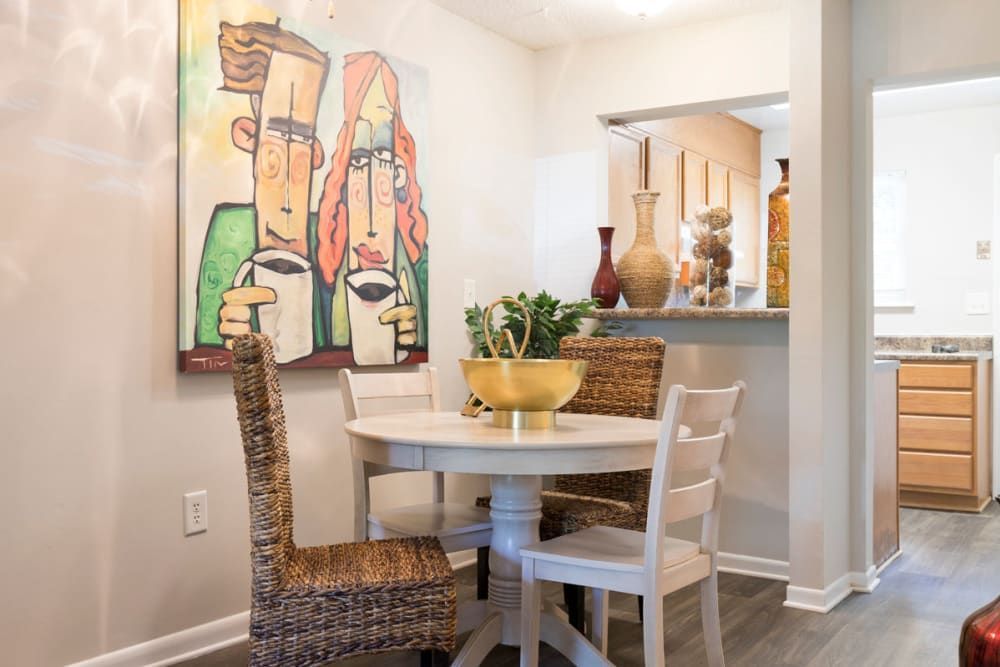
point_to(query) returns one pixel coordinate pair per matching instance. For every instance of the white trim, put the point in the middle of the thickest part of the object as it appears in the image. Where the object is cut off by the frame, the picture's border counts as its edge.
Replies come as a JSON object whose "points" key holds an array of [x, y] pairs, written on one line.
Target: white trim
{"points": [[888, 561], [994, 399], [864, 582], [752, 566], [202, 639], [179, 646], [816, 599]]}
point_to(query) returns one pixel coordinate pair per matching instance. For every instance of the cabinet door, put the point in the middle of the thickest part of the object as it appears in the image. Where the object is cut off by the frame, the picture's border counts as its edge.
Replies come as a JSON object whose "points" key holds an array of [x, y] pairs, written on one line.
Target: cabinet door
{"points": [[695, 183], [744, 202], [663, 175], [718, 184], [626, 173]]}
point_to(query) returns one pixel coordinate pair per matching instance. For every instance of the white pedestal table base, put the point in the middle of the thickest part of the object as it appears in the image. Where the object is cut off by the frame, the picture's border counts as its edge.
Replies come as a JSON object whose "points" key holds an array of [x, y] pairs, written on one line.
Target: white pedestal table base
{"points": [[515, 510]]}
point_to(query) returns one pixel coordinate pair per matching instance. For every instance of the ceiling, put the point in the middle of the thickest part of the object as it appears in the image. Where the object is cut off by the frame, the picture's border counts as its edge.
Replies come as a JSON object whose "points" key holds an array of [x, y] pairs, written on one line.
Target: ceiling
{"points": [[539, 24]]}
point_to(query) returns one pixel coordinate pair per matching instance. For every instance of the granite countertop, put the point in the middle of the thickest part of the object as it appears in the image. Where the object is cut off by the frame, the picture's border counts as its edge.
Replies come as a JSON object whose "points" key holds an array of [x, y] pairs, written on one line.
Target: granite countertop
{"points": [[918, 348], [692, 313], [913, 355]]}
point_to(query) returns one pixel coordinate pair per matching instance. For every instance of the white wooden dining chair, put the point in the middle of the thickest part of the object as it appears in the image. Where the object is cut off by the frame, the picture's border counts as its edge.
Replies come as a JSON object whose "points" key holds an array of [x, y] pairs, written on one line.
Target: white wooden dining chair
{"points": [[458, 526], [649, 564]]}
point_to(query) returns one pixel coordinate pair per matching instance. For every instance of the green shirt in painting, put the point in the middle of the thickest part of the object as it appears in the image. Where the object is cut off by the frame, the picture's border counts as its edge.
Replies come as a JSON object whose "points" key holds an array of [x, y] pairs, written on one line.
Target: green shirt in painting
{"points": [[232, 239]]}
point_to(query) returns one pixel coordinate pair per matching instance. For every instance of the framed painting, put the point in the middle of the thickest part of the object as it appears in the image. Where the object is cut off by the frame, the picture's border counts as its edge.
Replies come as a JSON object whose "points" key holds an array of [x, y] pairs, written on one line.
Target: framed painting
{"points": [[301, 209]]}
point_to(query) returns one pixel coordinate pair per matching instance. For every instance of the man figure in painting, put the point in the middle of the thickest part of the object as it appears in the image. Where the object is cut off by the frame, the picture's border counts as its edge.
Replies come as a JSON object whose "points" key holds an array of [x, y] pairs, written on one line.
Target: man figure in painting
{"points": [[256, 268], [370, 215]]}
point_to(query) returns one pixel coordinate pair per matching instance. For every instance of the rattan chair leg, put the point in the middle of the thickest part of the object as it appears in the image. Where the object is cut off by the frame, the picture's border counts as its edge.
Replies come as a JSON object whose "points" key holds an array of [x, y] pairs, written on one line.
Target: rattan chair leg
{"points": [[575, 598], [434, 659], [482, 573]]}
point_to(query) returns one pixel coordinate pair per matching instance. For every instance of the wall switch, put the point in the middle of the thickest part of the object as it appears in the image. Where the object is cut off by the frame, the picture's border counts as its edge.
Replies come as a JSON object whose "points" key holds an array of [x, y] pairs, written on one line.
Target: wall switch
{"points": [[195, 512], [977, 303], [469, 294]]}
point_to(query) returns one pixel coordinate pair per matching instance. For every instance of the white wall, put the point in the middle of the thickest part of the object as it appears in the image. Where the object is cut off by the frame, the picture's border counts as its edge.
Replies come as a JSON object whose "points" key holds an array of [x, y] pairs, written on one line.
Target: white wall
{"points": [[636, 77], [102, 436], [948, 160], [639, 77]]}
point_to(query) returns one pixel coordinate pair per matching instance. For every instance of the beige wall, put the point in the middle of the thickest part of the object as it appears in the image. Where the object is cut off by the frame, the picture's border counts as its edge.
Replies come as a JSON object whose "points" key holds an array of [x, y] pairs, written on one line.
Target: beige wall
{"points": [[101, 435], [693, 69]]}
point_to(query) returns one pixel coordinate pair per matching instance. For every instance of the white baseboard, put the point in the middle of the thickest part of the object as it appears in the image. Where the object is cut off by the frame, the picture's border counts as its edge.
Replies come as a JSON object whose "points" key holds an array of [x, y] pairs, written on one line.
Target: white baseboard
{"points": [[888, 561], [817, 599], [183, 645], [864, 582], [202, 639], [752, 566]]}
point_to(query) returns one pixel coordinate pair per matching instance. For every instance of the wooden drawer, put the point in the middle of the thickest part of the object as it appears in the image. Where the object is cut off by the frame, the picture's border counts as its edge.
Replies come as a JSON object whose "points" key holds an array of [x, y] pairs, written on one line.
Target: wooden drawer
{"points": [[939, 471], [936, 376], [942, 434], [947, 403]]}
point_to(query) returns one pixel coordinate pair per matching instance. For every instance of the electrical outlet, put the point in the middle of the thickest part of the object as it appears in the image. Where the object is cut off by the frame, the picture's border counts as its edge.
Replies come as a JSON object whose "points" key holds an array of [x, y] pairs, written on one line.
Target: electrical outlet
{"points": [[195, 512], [469, 294]]}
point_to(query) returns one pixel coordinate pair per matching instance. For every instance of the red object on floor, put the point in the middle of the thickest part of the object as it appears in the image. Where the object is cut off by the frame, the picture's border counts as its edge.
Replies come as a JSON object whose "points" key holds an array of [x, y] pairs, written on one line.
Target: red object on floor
{"points": [[980, 643]]}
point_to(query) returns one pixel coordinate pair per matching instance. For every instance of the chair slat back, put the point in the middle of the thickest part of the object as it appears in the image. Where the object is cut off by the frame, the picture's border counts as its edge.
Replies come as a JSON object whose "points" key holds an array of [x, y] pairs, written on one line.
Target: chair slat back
{"points": [[368, 386], [690, 501], [699, 453], [667, 505], [358, 388], [265, 447]]}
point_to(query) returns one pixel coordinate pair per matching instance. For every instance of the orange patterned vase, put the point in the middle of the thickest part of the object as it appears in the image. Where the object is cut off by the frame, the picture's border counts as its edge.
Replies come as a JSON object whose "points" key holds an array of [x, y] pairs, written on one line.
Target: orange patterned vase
{"points": [[777, 242]]}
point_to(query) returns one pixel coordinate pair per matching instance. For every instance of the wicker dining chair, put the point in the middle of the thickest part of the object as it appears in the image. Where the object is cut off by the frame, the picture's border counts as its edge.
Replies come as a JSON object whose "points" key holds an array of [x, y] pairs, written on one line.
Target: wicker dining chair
{"points": [[623, 380], [312, 605]]}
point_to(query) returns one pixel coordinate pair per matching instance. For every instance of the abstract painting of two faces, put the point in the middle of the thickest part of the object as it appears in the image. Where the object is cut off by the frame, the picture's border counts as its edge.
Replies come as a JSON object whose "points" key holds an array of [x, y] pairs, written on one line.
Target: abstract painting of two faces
{"points": [[302, 209]]}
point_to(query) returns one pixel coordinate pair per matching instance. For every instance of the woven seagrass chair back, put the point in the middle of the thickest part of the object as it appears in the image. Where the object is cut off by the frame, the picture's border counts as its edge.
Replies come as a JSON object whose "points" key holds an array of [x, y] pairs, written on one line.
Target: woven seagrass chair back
{"points": [[265, 446], [623, 380]]}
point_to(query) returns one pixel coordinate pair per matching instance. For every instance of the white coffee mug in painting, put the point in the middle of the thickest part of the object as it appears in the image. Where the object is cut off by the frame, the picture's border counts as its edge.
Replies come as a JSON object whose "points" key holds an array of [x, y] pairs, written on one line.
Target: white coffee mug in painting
{"points": [[370, 293], [289, 320]]}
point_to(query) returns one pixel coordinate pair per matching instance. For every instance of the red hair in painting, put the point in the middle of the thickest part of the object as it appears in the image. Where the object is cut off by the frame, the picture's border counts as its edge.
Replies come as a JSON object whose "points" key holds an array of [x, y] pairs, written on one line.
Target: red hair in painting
{"points": [[360, 70]]}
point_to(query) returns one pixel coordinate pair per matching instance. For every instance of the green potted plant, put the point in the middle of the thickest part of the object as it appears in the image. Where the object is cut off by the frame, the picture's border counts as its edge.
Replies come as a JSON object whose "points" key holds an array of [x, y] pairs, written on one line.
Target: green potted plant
{"points": [[551, 320]]}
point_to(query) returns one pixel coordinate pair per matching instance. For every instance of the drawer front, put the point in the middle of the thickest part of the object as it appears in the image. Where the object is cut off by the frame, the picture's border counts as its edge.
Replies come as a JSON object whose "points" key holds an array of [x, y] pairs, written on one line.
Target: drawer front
{"points": [[936, 376], [939, 471], [946, 403], [940, 434]]}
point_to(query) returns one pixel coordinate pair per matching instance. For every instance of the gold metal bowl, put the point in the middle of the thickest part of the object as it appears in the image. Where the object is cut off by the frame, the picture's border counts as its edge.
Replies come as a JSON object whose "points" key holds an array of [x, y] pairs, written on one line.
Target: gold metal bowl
{"points": [[524, 393]]}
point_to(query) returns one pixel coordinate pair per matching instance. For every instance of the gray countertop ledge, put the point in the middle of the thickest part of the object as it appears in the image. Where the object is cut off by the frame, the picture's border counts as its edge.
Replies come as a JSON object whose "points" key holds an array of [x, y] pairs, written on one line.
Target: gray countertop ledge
{"points": [[692, 313], [915, 355]]}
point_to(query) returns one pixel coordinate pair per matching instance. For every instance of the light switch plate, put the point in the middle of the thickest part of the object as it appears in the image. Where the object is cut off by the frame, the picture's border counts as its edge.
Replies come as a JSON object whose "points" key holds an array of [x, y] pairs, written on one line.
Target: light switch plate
{"points": [[977, 303], [469, 294]]}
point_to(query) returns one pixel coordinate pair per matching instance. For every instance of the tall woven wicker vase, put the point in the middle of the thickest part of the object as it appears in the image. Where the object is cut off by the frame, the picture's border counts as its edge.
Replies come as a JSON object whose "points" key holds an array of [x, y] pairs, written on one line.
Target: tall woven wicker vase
{"points": [[644, 272]]}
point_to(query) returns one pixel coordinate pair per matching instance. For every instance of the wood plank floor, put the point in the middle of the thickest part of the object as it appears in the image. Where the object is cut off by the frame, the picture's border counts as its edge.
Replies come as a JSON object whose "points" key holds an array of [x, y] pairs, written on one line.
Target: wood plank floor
{"points": [[948, 568]]}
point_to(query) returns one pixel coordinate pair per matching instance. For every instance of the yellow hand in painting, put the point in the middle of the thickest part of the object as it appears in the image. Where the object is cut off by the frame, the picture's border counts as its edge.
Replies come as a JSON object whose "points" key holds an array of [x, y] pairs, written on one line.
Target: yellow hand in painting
{"points": [[404, 315], [234, 316]]}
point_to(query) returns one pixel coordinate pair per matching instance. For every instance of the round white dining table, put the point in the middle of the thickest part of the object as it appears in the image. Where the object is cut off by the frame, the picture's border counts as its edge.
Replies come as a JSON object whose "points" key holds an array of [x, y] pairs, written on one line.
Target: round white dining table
{"points": [[515, 460]]}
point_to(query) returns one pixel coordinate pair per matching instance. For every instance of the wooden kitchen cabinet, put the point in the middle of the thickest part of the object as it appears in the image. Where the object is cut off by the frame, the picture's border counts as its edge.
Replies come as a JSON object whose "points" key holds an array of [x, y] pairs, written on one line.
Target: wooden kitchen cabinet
{"points": [[695, 183], [711, 159], [626, 175], [744, 202], [944, 434], [664, 175], [717, 180]]}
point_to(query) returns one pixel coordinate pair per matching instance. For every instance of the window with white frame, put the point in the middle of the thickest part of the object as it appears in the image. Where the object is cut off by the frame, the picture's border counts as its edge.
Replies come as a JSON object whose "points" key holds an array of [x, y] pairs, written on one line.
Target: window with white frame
{"points": [[889, 216]]}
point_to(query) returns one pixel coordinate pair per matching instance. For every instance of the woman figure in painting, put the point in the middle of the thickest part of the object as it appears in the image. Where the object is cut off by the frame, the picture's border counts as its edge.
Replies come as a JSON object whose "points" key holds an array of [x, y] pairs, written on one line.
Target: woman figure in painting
{"points": [[372, 233]]}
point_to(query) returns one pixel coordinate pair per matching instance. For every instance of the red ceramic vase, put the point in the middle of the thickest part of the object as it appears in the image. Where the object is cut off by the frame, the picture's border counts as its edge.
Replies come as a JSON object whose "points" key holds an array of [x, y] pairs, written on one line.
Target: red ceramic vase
{"points": [[980, 643], [605, 287]]}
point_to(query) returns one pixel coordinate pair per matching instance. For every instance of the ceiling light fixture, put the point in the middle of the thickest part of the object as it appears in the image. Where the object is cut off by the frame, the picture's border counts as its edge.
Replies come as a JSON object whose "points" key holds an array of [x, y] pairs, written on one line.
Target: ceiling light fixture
{"points": [[642, 8]]}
